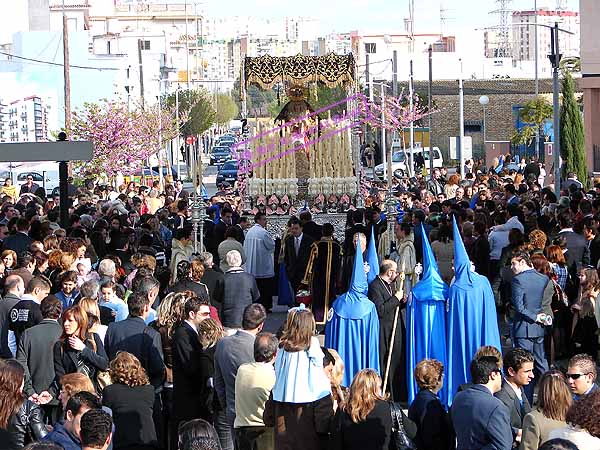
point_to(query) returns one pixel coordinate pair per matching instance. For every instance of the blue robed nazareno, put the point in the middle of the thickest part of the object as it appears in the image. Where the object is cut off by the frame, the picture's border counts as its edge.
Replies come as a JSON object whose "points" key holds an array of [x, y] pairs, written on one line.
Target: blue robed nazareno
{"points": [[471, 319], [353, 326], [372, 258], [426, 319]]}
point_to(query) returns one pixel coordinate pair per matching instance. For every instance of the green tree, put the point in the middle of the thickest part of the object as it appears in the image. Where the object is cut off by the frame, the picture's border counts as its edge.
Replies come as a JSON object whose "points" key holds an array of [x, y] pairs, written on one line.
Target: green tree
{"points": [[534, 114], [196, 113], [226, 109], [572, 140]]}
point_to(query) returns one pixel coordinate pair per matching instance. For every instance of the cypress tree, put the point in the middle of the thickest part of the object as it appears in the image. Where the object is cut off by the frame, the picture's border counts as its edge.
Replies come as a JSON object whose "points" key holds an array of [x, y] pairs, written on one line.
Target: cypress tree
{"points": [[572, 140]]}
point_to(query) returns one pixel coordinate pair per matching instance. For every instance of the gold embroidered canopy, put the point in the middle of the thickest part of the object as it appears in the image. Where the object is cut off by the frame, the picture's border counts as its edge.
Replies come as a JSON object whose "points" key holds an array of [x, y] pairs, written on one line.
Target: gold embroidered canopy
{"points": [[331, 69]]}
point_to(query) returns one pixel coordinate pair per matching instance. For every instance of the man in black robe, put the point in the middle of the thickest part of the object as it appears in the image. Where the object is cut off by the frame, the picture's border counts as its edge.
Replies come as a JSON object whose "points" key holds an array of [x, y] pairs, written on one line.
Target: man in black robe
{"points": [[322, 273], [382, 292]]}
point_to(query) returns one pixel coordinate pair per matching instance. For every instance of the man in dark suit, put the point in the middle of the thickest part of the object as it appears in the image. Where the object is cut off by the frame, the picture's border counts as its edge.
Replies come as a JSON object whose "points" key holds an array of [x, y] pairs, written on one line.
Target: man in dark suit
{"points": [[35, 355], [180, 193], [518, 372], [29, 187], [14, 289], [578, 250], [296, 253], [383, 293], [20, 241], [213, 279], [192, 368], [532, 295], [221, 227], [480, 420], [133, 336], [230, 354], [309, 227]]}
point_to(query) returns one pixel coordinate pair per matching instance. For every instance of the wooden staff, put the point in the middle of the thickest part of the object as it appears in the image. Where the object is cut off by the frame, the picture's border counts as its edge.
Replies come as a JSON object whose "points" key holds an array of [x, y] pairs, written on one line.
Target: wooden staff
{"points": [[393, 336]]}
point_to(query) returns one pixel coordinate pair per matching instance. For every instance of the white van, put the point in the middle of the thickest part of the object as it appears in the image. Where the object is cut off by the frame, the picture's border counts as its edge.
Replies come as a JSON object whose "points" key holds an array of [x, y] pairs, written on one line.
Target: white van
{"points": [[400, 161], [44, 174]]}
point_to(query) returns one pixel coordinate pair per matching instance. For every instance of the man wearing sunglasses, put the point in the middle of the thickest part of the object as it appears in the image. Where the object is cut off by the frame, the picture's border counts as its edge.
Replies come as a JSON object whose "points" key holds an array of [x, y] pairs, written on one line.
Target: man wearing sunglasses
{"points": [[581, 375]]}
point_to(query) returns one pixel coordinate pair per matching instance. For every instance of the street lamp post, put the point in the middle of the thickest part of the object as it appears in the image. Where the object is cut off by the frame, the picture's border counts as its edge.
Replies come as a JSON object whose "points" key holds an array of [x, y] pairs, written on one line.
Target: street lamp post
{"points": [[484, 100]]}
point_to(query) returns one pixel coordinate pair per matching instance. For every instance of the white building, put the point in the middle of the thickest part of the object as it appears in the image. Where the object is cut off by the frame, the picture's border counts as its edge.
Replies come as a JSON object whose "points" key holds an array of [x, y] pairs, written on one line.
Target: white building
{"points": [[523, 36], [3, 121], [28, 120]]}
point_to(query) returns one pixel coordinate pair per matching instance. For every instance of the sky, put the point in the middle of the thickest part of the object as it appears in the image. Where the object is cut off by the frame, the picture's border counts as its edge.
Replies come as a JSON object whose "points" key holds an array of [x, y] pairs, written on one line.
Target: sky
{"points": [[381, 15]]}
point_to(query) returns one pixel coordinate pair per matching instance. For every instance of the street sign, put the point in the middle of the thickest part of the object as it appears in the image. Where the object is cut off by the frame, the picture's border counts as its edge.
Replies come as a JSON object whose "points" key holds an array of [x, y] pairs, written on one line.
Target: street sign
{"points": [[190, 140], [47, 151]]}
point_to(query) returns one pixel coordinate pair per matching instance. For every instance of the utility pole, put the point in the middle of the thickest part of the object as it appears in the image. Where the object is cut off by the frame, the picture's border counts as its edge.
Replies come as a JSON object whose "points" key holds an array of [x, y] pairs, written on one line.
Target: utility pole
{"points": [[412, 123], [461, 139], [555, 60], [141, 70], [387, 164], [66, 71], [187, 48], [537, 81], [429, 109]]}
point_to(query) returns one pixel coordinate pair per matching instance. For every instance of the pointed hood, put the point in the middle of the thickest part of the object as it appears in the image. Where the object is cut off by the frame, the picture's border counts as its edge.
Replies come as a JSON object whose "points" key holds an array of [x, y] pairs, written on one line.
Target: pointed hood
{"points": [[355, 304], [372, 257], [431, 286], [463, 275]]}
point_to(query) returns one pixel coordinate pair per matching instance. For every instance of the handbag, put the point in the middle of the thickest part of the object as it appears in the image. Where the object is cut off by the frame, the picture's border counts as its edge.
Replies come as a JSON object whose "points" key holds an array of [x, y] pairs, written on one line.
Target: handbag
{"points": [[400, 440], [103, 379]]}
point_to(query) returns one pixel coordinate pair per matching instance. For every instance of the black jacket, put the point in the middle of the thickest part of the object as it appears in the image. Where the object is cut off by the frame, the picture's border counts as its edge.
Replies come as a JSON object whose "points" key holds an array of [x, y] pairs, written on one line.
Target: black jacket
{"points": [[214, 281], [28, 421], [6, 304], [434, 428], [132, 409], [295, 264], [23, 315], [65, 358], [192, 368], [36, 354], [186, 284], [133, 336], [373, 433], [19, 242]]}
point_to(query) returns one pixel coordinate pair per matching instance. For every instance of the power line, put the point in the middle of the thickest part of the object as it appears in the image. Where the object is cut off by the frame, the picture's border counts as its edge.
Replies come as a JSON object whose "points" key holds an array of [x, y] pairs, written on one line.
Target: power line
{"points": [[51, 63]]}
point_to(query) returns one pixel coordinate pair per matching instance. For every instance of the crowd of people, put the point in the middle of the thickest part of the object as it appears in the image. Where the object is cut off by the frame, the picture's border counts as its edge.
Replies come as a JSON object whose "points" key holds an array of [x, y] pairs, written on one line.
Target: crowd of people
{"points": [[114, 333]]}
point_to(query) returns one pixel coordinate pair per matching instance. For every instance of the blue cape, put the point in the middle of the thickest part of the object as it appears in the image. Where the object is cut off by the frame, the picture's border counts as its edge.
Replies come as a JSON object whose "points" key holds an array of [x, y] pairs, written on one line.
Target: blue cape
{"points": [[353, 326], [471, 321], [426, 319], [372, 257]]}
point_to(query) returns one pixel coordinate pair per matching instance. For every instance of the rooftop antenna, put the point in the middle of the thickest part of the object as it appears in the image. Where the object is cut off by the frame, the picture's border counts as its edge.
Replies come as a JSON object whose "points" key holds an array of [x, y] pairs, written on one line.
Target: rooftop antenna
{"points": [[562, 5]]}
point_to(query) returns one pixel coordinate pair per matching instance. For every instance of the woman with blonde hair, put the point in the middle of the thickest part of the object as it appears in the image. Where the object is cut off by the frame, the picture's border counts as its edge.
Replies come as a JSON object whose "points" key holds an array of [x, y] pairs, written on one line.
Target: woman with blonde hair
{"points": [[301, 402], [334, 369], [168, 315], [131, 399], [554, 400], [71, 384], [365, 421], [90, 306]]}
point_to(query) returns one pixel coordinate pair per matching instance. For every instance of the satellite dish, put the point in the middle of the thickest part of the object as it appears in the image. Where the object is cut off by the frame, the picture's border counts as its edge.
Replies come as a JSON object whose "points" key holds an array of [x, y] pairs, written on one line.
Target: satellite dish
{"points": [[387, 39]]}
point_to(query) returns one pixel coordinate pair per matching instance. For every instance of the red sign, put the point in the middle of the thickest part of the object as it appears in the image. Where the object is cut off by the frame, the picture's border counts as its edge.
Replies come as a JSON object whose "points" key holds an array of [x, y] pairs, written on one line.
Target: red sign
{"points": [[190, 140]]}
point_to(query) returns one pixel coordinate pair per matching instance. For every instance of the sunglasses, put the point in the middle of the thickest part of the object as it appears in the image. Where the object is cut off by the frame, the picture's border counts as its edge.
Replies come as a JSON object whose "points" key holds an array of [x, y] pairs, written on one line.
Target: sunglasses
{"points": [[575, 376]]}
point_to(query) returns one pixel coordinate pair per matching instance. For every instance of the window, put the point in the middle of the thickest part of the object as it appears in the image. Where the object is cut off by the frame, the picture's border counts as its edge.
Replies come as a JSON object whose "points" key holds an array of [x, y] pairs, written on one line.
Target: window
{"points": [[370, 47], [145, 45]]}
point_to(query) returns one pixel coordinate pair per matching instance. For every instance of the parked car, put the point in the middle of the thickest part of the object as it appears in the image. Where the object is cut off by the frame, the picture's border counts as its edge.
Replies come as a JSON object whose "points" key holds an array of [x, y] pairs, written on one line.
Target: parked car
{"points": [[219, 154], [399, 161], [228, 172]]}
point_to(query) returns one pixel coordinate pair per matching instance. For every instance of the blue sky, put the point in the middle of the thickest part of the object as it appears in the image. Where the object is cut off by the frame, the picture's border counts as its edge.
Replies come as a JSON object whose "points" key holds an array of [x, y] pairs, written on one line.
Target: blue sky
{"points": [[370, 15]]}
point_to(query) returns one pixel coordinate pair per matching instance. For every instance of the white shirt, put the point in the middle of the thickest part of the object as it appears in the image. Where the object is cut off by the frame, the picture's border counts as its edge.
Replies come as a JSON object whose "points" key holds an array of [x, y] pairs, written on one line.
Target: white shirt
{"points": [[259, 247], [516, 390]]}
